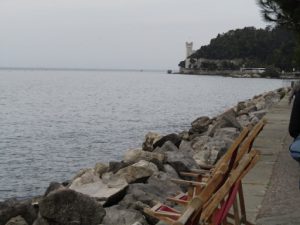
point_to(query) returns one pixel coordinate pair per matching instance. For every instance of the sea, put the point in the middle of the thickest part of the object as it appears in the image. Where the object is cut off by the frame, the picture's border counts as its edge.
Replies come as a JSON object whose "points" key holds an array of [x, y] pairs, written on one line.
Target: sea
{"points": [[55, 122]]}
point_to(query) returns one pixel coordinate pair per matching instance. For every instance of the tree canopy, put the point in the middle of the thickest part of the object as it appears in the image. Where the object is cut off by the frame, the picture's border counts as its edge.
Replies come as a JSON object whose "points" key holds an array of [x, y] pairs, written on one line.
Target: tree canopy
{"points": [[253, 47], [282, 12]]}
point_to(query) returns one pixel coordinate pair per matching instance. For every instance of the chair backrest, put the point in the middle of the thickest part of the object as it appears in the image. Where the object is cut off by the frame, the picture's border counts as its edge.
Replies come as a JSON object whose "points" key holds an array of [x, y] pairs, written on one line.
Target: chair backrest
{"points": [[232, 149], [230, 188], [242, 144]]}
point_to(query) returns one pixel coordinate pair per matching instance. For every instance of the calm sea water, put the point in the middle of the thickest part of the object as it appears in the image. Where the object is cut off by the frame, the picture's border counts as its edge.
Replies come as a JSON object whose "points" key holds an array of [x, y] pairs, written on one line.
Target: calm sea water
{"points": [[54, 123]]}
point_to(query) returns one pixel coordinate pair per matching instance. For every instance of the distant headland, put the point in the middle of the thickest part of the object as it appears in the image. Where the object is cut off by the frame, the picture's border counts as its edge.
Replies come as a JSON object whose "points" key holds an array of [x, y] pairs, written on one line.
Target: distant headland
{"points": [[247, 52]]}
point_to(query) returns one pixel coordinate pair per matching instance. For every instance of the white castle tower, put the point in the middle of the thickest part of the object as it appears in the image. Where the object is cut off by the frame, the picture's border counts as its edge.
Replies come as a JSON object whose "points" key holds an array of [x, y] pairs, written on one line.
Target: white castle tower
{"points": [[189, 51], [189, 48]]}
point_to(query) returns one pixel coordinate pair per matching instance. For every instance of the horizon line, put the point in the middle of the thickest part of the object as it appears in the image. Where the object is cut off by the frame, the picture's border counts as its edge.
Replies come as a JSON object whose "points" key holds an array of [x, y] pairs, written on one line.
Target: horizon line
{"points": [[79, 69]]}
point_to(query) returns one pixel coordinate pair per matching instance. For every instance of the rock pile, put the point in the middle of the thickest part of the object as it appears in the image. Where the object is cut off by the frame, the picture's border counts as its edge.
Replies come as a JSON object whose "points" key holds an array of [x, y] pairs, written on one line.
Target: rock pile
{"points": [[116, 193]]}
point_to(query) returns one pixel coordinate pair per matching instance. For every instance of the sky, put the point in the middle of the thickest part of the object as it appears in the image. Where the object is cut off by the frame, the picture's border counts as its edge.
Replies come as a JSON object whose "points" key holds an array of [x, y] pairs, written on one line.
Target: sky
{"points": [[114, 34]]}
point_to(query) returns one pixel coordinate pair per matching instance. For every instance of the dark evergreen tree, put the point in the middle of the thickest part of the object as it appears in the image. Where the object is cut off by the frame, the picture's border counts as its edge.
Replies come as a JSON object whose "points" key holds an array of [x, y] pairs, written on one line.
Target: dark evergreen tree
{"points": [[253, 47]]}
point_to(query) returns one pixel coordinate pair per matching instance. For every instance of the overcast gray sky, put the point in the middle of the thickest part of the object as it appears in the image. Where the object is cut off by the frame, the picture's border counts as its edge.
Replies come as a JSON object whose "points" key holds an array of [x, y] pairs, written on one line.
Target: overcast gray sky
{"points": [[130, 34]]}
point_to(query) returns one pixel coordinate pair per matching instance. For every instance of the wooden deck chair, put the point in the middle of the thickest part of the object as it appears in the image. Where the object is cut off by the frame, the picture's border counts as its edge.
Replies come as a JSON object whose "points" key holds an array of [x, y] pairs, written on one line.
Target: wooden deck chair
{"points": [[190, 213], [197, 185], [211, 195], [215, 215], [244, 141]]}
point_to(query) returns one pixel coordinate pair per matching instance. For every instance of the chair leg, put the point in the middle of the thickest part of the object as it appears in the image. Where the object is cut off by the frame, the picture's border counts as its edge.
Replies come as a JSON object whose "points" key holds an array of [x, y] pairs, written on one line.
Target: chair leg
{"points": [[236, 213], [242, 205]]}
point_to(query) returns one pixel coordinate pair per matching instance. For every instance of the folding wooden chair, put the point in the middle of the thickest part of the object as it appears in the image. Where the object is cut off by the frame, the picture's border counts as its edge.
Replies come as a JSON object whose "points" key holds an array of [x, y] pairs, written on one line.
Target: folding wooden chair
{"points": [[242, 144], [233, 190], [206, 202]]}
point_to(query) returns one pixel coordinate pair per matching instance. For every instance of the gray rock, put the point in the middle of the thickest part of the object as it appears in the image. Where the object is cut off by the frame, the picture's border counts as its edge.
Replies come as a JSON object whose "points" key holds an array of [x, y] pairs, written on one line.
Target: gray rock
{"points": [[170, 171], [115, 166], [184, 135], [86, 177], [209, 152], [198, 143], [226, 132], [260, 104], [100, 168], [13, 208], [117, 215], [174, 138], [52, 187], [138, 171], [259, 114], [227, 119], [240, 106], [244, 120], [19, 220], [41, 221], [158, 188], [67, 207], [107, 190], [186, 146], [167, 147], [150, 139], [248, 110], [181, 161], [200, 125], [81, 172], [135, 155]]}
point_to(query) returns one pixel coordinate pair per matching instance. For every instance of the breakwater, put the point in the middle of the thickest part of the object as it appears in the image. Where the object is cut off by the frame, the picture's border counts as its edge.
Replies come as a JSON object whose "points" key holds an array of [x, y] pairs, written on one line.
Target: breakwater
{"points": [[116, 192]]}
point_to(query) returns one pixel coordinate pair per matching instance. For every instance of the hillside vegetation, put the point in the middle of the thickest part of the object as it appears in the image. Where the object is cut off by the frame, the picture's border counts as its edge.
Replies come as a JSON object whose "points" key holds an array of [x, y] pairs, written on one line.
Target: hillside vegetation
{"points": [[253, 47]]}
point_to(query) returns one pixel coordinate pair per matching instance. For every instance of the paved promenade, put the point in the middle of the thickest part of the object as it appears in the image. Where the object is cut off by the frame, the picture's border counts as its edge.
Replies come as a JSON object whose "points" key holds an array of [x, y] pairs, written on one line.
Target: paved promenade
{"points": [[272, 187]]}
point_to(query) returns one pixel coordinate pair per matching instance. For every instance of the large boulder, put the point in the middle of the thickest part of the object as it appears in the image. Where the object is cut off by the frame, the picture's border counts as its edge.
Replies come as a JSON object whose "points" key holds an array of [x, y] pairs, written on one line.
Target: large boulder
{"points": [[115, 166], [135, 155], [174, 138], [198, 143], [150, 139], [41, 221], [67, 207], [167, 147], [117, 215], [53, 186], [100, 168], [13, 208], [259, 114], [226, 132], [138, 172], [157, 189], [210, 152], [186, 146], [108, 190], [200, 125], [248, 110], [227, 119], [19, 220], [181, 161], [85, 177], [244, 120]]}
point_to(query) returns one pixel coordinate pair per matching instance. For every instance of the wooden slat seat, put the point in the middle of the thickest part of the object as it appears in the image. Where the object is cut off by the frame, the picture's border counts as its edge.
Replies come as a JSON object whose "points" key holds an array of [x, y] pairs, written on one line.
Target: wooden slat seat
{"points": [[213, 192], [242, 144]]}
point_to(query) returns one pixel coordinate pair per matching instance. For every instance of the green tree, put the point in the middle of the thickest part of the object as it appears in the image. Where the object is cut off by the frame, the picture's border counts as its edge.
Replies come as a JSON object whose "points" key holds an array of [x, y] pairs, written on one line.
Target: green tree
{"points": [[282, 12], [285, 13], [182, 64]]}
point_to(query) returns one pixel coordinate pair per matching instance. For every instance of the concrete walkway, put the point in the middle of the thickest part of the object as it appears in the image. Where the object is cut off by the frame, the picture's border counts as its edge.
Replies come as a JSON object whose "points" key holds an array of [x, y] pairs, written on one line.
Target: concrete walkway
{"points": [[272, 187]]}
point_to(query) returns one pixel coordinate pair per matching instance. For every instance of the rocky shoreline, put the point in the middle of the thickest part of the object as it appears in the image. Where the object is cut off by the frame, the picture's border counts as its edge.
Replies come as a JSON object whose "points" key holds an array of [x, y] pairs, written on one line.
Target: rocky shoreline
{"points": [[116, 193]]}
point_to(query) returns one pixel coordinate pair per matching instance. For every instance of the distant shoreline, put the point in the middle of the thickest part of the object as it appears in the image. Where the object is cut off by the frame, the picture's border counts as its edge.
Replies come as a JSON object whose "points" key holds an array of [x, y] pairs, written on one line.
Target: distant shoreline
{"points": [[76, 69], [234, 74]]}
